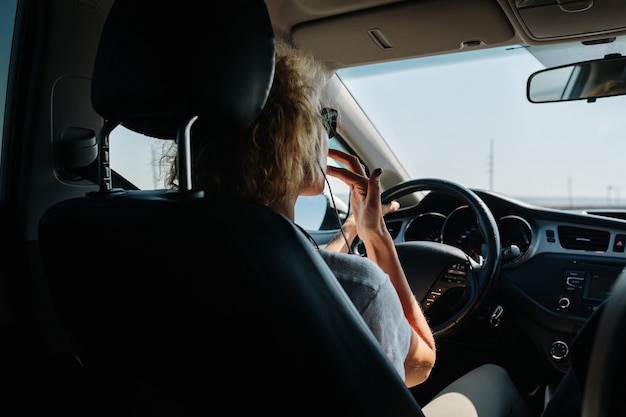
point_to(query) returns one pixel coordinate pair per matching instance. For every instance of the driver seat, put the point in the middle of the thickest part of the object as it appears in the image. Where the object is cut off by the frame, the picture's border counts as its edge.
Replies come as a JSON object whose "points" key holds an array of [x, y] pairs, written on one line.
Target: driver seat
{"points": [[180, 302]]}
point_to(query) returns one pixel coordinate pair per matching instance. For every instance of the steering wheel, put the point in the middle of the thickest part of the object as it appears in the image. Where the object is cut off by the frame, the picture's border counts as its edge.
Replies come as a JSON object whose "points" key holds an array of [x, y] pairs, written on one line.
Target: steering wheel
{"points": [[449, 283]]}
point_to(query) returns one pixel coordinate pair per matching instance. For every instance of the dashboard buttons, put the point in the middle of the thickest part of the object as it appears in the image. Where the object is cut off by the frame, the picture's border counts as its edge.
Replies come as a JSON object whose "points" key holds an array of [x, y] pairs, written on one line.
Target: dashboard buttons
{"points": [[575, 279], [454, 276], [620, 243], [559, 350]]}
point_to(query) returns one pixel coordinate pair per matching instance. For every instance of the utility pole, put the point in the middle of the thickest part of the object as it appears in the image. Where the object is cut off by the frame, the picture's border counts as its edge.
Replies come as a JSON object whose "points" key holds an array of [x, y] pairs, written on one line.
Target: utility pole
{"points": [[491, 164]]}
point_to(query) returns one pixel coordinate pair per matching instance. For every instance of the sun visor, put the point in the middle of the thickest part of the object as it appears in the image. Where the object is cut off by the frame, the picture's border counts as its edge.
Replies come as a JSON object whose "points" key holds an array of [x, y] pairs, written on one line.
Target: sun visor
{"points": [[403, 30]]}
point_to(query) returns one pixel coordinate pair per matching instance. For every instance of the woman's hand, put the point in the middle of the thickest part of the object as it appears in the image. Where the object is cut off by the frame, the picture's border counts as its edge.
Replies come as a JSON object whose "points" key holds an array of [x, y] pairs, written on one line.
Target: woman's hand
{"points": [[367, 209]]}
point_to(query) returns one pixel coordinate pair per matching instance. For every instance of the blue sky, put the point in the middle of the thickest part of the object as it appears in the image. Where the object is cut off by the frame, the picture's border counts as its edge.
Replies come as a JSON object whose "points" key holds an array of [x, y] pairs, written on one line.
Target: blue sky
{"points": [[470, 122]]}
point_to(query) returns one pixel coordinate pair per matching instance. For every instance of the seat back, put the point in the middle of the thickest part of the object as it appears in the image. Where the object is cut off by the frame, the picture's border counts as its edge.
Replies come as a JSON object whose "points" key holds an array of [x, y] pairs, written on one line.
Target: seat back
{"points": [[181, 302]]}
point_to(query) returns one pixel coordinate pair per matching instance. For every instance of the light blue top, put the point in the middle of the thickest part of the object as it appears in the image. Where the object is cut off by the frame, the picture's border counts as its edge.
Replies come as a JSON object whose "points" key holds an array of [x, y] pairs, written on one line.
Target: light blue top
{"points": [[371, 291]]}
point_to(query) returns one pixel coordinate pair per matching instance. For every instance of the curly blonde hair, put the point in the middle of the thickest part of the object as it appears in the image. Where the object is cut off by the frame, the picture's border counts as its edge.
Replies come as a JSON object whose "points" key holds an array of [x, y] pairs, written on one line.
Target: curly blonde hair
{"points": [[281, 150]]}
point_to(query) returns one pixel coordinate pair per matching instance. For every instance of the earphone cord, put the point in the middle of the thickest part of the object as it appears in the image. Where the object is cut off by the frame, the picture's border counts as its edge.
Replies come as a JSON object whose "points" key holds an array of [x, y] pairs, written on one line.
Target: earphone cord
{"points": [[308, 235], [332, 199]]}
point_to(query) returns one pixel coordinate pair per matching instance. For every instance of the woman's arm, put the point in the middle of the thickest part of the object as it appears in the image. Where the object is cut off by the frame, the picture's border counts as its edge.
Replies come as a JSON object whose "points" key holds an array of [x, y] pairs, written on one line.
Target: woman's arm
{"points": [[380, 248]]}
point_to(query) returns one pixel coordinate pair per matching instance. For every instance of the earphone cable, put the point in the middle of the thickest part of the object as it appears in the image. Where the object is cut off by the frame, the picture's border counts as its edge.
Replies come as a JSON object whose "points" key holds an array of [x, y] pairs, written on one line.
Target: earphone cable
{"points": [[332, 199]]}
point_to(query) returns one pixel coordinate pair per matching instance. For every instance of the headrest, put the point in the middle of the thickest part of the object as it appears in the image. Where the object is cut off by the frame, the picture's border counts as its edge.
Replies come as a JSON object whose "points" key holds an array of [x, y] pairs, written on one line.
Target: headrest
{"points": [[159, 64]]}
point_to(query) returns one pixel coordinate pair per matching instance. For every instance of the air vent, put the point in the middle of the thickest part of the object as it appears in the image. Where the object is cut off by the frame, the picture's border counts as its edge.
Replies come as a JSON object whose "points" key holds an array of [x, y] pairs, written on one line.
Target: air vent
{"points": [[583, 239], [614, 214]]}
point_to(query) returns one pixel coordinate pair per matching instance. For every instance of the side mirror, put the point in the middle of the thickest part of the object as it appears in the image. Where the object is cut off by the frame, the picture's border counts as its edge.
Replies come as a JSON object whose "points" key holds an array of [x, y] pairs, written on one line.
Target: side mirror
{"points": [[320, 212], [587, 80]]}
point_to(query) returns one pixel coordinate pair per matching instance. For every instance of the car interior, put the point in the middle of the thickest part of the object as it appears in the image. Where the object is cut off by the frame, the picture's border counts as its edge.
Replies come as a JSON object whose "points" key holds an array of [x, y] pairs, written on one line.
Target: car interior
{"points": [[119, 299]]}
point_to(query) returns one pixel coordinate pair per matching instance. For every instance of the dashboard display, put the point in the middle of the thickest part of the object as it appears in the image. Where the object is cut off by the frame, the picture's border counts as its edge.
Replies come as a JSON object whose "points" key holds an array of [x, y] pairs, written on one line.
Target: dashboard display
{"points": [[515, 231], [427, 226], [461, 230], [599, 286]]}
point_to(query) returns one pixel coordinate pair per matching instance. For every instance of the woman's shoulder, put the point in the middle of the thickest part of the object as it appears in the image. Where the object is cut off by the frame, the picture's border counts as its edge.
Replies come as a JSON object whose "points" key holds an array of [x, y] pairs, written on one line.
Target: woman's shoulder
{"points": [[354, 268], [349, 260], [367, 285]]}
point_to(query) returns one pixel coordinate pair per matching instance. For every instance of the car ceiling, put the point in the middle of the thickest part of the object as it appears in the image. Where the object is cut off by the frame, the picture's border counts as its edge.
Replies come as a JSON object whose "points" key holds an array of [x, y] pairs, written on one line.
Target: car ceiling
{"points": [[353, 32]]}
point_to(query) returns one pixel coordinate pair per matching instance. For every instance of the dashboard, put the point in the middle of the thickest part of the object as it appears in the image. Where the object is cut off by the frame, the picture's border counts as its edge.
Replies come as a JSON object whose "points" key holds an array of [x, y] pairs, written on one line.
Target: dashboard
{"points": [[525, 231], [557, 266]]}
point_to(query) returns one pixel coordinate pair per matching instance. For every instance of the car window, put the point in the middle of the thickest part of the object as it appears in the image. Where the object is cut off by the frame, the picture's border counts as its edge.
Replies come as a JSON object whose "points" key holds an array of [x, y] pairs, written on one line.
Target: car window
{"points": [[139, 159], [7, 23]]}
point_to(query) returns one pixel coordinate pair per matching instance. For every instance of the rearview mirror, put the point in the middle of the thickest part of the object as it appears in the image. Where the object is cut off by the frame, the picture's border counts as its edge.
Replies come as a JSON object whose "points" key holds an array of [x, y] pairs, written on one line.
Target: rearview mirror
{"points": [[587, 80]]}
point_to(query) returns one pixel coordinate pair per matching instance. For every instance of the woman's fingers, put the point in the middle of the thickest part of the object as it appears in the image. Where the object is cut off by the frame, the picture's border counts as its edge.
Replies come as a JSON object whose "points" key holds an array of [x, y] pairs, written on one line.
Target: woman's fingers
{"points": [[347, 176], [355, 177], [351, 161], [389, 207], [374, 187]]}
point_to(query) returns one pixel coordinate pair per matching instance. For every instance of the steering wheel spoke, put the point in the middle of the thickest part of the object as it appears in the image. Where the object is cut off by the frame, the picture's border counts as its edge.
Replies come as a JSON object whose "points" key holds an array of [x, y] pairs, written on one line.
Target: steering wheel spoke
{"points": [[453, 277]]}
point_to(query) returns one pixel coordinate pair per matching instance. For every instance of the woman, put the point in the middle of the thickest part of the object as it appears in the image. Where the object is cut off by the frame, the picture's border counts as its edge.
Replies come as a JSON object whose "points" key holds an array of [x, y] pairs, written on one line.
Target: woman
{"points": [[284, 155]]}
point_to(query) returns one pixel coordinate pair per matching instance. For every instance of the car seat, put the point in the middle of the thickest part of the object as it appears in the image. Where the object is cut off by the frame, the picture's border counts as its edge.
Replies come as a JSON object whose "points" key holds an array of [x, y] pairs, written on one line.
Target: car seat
{"points": [[180, 302]]}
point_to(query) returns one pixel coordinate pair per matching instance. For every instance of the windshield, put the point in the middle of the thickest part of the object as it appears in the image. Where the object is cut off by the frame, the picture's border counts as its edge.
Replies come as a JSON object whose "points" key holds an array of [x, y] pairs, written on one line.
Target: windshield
{"points": [[465, 117]]}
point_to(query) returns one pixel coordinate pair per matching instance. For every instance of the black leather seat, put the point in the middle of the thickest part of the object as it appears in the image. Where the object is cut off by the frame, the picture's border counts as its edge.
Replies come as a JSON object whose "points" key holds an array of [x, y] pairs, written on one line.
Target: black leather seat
{"points": [[186, 303]]}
